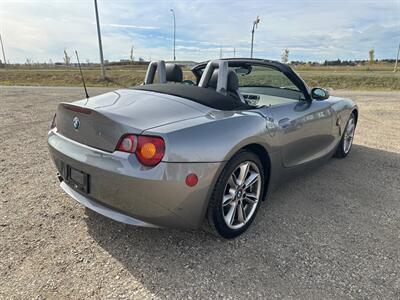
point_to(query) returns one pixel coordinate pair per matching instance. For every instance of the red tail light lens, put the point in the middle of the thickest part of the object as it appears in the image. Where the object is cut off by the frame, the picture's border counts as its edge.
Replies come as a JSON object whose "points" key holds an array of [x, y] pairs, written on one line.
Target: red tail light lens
{"points": [[128, 143], [149, 150]]}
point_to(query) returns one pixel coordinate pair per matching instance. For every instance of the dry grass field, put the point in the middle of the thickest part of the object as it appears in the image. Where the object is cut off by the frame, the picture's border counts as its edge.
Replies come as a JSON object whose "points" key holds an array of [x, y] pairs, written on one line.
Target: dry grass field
{"points": [[376, 77], [332, 233]]}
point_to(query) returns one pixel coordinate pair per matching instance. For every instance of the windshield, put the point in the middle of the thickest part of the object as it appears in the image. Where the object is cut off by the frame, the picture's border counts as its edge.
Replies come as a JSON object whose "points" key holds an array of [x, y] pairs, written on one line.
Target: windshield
{"points": [[260, 76], [263, 84]]}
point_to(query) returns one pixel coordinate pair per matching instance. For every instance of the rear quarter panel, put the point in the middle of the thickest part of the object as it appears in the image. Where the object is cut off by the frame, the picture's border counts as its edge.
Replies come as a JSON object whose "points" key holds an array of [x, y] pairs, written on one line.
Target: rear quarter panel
{"points": [[214, 137], [217, 136]]}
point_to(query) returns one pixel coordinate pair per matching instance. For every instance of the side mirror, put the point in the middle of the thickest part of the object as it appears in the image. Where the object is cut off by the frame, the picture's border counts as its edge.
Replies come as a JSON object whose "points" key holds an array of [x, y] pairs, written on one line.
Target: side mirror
{"points": [[319, 94], [243, 70]]}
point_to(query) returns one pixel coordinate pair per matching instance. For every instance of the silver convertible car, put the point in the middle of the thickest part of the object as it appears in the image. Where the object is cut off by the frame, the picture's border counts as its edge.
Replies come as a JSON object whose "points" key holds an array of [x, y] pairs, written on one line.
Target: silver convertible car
{"points": [[182, 153]]}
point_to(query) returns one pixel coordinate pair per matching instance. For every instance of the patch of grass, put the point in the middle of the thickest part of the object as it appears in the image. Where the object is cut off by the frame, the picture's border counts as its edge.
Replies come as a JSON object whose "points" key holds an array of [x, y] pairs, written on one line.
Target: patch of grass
{"points": [[351, 78]]}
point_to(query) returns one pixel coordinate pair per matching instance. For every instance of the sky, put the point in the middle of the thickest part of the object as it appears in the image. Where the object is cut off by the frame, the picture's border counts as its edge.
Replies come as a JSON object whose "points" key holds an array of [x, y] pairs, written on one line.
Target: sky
{"points": [[311, 30]]}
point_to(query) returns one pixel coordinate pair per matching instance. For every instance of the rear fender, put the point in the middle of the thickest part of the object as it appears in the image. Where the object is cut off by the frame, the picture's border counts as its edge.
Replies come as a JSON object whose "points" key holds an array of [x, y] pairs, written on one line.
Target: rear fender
{"points": [[213, 138]]}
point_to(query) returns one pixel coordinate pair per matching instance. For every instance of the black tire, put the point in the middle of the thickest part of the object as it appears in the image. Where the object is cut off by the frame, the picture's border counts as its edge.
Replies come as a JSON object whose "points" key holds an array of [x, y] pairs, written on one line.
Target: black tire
{"points": [[214, 219], [340, 150]]}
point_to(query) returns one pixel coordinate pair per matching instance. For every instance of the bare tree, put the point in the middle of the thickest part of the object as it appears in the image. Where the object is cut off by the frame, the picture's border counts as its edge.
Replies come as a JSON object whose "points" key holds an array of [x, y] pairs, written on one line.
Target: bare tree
{"points": [[131, 56], [285, 56], [67, 59], [371, 54], [28, 61]]}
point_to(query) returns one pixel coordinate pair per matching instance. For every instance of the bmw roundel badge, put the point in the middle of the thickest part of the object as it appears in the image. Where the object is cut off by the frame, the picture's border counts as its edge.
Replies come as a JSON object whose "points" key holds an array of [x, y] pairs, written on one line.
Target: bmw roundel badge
{"points": [[76, 122]]}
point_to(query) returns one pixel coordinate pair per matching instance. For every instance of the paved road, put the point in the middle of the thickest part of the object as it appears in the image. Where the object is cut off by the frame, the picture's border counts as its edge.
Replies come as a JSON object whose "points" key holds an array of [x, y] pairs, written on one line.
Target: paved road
{"points": [[331, 233]]}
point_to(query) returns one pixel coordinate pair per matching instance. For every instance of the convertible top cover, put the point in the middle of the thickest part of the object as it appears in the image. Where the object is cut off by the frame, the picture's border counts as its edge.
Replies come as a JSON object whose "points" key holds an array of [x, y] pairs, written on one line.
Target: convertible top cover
{"points": [[205, 96]]}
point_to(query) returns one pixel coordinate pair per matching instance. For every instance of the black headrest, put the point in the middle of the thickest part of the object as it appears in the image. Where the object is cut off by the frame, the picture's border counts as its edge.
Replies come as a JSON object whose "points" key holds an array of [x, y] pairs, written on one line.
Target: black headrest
{"points": [[233, 81], [232, 84], [174, 72]]}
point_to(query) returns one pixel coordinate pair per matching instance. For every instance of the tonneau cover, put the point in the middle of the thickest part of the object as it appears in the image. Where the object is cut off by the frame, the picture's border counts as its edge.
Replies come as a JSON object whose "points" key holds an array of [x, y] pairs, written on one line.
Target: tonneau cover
{"points": [[205, 96]]}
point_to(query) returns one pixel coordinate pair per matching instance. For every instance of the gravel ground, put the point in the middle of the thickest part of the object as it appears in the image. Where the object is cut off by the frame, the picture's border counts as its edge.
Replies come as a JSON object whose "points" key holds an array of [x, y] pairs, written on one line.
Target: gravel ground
{"points": [[332, 233]]}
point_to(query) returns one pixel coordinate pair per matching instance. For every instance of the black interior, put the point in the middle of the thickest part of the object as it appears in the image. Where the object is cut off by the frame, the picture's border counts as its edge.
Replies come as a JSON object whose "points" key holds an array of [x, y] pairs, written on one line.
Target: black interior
{"points": [[173, 73], [231, 86], [235, 97], [247, 63], [205, 96]]}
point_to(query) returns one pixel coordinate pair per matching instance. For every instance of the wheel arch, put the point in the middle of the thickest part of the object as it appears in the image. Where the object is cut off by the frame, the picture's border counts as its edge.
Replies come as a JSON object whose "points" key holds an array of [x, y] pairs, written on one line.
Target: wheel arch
{"points": [[355, 111], [265, 159]]}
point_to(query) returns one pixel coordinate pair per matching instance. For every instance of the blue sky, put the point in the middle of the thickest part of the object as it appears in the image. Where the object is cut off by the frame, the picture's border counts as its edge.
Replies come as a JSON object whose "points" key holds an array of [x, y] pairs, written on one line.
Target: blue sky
{"points": [[311, 30]]}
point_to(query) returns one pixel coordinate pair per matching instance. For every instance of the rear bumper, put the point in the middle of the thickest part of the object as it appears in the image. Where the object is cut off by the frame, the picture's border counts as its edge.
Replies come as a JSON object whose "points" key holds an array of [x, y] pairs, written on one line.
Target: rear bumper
{"points": [[101, 209], [124, 190]]}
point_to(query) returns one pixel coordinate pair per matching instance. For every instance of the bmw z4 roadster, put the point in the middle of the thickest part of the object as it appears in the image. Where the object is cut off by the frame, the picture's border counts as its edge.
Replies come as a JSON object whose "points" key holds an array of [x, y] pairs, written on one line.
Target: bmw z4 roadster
{"points": [[181, 153]]}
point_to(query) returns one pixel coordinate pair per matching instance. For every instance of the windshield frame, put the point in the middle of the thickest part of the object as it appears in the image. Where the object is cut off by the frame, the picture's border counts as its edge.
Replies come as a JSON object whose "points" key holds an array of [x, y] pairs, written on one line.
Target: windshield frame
{"points": [[283, 68]]}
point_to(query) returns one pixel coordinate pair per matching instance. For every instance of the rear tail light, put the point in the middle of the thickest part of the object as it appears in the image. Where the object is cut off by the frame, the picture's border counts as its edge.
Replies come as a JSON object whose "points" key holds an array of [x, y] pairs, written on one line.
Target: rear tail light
{"points": [[149, 150], [54, 122], [128, 143]]}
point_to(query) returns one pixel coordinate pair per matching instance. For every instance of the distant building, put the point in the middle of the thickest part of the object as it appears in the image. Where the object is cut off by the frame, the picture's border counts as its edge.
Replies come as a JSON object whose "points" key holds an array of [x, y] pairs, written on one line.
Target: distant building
{"points": [[185, 63]]}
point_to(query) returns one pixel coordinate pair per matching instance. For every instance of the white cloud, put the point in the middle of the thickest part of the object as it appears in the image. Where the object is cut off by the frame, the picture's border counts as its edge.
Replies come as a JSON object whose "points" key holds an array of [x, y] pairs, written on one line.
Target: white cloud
{"points": [[312, 30], [129, 26]]}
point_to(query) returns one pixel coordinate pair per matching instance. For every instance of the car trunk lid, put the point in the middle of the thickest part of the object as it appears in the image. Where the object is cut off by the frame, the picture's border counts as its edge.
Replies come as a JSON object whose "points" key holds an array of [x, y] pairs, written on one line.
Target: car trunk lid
{"points": [[100, 121]]}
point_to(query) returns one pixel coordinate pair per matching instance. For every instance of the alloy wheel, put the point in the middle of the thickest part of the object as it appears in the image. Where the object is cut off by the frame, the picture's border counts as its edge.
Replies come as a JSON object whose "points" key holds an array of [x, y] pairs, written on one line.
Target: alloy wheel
{"points": [[349, 135], [241, 195]]}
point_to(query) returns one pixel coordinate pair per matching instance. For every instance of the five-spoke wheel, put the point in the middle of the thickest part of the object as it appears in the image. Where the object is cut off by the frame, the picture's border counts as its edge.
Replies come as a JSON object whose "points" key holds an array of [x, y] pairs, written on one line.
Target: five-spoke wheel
{"points": [[241, 195], [349, 134], [237, 195], [346, 142]]}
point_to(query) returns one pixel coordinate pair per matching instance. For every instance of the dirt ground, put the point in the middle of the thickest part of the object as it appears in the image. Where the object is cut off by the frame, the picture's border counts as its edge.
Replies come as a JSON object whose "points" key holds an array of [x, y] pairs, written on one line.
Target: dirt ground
{"points": [[331, 233]]}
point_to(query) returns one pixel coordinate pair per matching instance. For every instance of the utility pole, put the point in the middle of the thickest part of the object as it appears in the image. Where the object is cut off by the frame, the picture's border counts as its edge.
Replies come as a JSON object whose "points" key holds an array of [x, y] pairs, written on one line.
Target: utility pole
{"points": [[131, 54], [173, 13], [103, 70], [234, 52], [2, 49], [397, 60], [255, 25], [220, 52]]}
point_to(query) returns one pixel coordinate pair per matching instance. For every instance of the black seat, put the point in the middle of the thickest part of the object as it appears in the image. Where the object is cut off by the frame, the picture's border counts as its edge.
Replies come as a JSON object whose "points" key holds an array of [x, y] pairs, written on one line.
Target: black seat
{"points": [[174, 73], [232, 85]]}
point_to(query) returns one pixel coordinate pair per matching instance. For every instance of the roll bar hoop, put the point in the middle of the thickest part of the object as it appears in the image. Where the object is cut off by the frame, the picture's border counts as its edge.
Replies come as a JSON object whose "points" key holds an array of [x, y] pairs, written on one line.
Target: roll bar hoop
{"points": [[154, 66], [222, 67]]}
